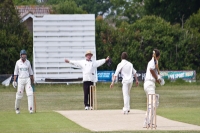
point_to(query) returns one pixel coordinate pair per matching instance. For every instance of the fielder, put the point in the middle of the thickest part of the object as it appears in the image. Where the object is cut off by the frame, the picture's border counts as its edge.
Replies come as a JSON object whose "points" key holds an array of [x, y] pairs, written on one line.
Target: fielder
{"points": [[25, 79], [127, 72], [88, 67], [152, 76]]}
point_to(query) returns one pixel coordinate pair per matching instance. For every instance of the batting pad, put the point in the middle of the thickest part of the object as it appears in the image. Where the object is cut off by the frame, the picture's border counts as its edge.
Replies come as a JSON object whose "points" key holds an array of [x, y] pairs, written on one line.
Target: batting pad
{"points": [[30, 102]]}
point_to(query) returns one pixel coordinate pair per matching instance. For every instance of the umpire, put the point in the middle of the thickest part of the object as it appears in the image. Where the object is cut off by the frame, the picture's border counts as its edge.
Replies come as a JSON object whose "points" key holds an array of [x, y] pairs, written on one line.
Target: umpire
{"points": [[88, 67]]}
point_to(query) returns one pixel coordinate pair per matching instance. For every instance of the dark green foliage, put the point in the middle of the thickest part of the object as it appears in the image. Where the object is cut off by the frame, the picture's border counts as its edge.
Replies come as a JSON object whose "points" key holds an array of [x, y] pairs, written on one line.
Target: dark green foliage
{"points": [[54, 2], [174, 11], [140, 38], [127, 10], [109, 42], [97, 7], [25, 2], [153, 32], [68, 7], [13, 37], [193, 40]]}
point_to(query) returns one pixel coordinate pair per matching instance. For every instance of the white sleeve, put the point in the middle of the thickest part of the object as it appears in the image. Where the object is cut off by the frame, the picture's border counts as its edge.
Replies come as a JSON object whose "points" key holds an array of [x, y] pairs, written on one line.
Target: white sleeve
{"points": [[100, 62], [76, 63], [16, 71], [134, 71], [118, 69], [152, 65]]}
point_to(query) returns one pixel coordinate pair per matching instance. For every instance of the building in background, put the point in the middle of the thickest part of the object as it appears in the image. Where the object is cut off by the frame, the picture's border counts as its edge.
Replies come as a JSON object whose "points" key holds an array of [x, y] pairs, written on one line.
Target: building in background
{"points": [[27, 13]]}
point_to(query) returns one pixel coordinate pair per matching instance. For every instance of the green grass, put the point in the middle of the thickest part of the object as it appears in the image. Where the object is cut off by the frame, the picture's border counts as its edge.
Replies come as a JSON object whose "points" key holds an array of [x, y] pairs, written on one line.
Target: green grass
{"points": [[180, 102], [45, 122]]}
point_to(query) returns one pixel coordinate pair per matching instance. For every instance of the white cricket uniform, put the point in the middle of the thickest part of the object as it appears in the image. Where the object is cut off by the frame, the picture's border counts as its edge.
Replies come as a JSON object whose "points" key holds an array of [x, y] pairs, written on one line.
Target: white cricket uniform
{"points": [[89, 68], [127, 72], [89, 75], [23, 70], [149, 87], [149, 83]]}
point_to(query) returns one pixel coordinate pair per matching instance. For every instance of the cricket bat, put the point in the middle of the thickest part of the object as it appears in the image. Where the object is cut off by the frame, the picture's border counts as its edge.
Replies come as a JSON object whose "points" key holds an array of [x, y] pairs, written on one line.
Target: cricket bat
{"points": [[34, 100]]}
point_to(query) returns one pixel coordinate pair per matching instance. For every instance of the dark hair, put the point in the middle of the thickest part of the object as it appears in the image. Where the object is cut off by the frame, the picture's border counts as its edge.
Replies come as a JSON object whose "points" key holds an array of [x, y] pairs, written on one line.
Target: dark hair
{"points": [[124, 55], [157, 52]]}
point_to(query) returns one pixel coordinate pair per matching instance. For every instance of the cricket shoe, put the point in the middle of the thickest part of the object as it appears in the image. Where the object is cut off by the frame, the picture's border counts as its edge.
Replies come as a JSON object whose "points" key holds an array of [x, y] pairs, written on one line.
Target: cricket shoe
{"points": [[86, 107], [125, 112], [31, 111], [91, 108], [17, 111], [145, 125]]}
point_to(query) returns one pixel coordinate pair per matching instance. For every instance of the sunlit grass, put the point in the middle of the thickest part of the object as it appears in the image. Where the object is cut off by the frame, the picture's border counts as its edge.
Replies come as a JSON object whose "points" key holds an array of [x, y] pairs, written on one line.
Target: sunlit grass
{"points": [[40, 122], [177, 102]]}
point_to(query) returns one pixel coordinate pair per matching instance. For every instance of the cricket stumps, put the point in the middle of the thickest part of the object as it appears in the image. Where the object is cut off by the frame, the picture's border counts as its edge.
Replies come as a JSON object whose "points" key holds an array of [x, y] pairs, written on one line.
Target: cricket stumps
{"points": [[93, 98], [152, 104]]}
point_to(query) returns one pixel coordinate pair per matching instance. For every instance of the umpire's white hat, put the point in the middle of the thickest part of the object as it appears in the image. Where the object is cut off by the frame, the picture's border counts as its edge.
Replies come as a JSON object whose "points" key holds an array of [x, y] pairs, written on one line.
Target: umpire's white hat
{"points": [[88, 52]]}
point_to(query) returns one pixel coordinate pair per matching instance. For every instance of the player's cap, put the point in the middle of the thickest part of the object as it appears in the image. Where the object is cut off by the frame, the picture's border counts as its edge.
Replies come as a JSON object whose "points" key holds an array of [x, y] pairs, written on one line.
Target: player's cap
{"points": [[23, 52], [88, 52]]}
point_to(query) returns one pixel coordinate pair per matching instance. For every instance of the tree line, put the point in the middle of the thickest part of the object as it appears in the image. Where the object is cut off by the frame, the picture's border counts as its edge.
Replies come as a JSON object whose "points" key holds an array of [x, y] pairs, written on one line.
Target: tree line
{"points": [[134, 26]]}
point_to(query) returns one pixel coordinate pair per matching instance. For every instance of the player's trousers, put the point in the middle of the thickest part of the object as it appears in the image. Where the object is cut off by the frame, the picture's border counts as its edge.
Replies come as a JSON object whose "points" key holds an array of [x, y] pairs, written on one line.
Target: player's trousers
{"points": [[126, 89], [86, 90], [149, 88], [24, 83]]}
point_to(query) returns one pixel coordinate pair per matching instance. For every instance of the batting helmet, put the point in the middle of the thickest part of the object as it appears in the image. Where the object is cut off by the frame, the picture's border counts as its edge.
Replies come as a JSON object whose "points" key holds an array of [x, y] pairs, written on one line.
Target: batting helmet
{"points": [[23, 52]]}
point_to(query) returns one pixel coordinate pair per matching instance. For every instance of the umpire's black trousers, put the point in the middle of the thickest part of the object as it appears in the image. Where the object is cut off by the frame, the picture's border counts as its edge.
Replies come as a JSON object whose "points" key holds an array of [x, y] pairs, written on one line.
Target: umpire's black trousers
{"points": [[86, 90]]}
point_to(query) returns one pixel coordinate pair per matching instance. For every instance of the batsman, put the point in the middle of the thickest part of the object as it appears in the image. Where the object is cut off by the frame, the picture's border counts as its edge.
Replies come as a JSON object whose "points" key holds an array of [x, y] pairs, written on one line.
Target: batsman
{"points": [[25, 78], [152, 76]]}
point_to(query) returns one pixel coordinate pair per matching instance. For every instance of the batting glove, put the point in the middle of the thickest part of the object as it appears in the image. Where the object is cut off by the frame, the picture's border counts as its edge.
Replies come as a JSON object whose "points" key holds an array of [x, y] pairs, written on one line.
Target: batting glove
{"points": [[162, 81], [14, 84]]}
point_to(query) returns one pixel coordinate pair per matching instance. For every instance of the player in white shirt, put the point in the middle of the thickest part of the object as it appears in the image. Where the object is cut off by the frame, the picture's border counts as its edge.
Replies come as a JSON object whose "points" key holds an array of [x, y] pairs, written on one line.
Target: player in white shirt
{"points": [[152, 76], [127, 72], [25, 77], [88, 67]]}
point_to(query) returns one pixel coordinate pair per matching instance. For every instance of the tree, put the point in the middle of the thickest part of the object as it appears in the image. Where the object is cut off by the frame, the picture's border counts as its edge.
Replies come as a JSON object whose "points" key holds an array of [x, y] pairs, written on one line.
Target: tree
{"points": [[25, 2], [105, 40], [13, 37], [153, 32], [139, 39], [194, 22], [174, 11], [53, 2], [68, 7], [127, 10], [97, 7], [192, 35]]}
